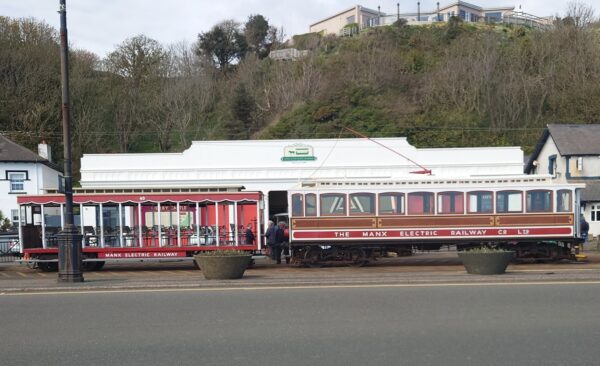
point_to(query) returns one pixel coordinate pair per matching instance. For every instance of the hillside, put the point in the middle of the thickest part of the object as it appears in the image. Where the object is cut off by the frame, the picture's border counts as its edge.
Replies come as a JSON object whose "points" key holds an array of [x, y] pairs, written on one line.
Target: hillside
{"points": [[441, 86]]}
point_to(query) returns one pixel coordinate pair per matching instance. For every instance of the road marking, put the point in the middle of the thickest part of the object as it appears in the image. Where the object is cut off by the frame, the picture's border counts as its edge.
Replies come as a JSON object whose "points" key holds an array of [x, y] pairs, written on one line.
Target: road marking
{"points": [[302, 287]]}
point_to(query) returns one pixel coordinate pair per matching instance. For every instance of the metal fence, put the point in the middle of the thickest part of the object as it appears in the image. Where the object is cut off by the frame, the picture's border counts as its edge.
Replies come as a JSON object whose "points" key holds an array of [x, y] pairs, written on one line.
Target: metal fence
{"points": [[10, 248]]}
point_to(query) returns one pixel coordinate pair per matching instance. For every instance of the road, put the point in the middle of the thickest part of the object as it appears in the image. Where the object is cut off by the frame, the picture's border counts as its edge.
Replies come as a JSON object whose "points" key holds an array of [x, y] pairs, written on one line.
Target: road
{"points": [[410, 324]]}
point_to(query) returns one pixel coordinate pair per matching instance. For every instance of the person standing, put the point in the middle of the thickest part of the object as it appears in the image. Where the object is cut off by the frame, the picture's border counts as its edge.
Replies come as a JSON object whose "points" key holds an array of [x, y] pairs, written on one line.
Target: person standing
{"points": [[280, 241], [249, 235], [271, 234]]}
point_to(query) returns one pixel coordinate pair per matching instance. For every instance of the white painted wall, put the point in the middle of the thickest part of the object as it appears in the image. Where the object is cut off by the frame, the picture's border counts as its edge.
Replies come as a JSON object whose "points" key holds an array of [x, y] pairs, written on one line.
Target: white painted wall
{"points": [[40, 178]]}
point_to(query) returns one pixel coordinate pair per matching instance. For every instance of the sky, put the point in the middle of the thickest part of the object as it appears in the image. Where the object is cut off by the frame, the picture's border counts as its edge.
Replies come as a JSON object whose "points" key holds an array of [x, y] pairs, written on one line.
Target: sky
{"points": [[100, 25]]}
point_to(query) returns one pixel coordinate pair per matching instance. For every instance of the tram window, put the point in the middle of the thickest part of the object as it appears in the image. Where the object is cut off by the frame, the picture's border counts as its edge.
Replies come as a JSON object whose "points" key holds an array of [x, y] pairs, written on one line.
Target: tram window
{"points": [[451, 203], [391, 204], [362, 203], [420, 203], [297, 205], [509, 201], [563, 201], [333, 204], [539, 201], [311, 204], [480, 202]]}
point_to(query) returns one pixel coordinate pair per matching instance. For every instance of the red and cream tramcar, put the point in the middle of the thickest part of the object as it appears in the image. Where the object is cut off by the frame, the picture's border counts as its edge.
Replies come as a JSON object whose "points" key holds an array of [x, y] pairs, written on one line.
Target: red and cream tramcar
{"points": [[349, 220], [139, 224]]}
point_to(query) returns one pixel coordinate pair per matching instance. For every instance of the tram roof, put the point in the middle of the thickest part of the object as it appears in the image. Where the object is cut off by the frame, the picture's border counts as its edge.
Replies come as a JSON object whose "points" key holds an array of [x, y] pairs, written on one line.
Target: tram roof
{"points": [[437, 182], [143, 197]]}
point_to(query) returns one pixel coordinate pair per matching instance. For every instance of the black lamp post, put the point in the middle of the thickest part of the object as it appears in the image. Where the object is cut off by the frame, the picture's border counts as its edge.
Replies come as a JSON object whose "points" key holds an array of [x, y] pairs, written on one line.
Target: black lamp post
{"points": [[398, 11], [378, 15], [69, 242], [438, 7], [418, 11]]}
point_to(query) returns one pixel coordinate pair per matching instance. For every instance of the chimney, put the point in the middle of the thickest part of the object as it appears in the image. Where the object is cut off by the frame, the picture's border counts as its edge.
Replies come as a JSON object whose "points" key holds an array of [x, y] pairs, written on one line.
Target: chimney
{"points": [[44, 151]]}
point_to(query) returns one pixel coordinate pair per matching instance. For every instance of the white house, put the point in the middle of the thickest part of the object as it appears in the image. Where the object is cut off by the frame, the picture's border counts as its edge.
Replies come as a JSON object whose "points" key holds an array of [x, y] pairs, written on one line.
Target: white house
{"points": [[24, 172], [571, 153], [275, 166]]}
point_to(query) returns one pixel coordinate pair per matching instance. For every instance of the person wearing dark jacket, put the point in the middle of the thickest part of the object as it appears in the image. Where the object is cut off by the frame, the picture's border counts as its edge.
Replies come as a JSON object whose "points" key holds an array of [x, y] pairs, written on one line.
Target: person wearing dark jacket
{"points": [[279, 240], [271, 234], [249, 235]]}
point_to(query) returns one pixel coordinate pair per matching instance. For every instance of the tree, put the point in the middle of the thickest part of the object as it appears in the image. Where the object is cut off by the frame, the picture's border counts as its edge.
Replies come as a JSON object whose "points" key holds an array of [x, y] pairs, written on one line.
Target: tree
{"points": [[137, 58], [257, 32], [242, 109], [224, 44]]}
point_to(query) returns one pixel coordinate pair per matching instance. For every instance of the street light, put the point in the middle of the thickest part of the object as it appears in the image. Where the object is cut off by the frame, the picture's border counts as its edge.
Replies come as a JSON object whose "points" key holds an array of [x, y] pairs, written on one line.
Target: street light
{"points": [[398, 11], [69, 242], [418, 11], [438, 7]]}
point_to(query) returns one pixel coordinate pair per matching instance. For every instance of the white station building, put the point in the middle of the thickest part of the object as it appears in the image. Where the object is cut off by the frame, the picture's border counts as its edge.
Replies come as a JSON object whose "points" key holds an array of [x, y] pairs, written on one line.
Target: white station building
{"points": [[275, 166]]}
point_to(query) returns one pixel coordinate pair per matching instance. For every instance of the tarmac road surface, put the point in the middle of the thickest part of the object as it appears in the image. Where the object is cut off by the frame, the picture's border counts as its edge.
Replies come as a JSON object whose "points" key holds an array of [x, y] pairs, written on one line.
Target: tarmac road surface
{"points": [[370, 324]]}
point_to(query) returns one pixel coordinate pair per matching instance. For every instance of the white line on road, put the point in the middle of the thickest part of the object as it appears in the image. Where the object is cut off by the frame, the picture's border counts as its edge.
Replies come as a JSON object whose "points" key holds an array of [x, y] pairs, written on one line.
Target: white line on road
{"points": [[310, 287]]}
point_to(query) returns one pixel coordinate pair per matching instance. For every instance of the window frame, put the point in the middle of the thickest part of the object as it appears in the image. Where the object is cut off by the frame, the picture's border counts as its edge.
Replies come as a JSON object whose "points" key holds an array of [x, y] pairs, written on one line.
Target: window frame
{"points": [[550, 201], [468, 208], [373, 204], [311, 195], [391, 194], [432, 208], [10, 173], [507, 210], [558, 194], [454, 194], [295, 195], [343, 195]]}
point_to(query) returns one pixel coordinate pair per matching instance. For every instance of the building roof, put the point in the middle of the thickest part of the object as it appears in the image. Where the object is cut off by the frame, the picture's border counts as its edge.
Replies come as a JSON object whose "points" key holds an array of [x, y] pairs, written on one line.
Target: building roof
{"points": [[591, 192], [570, 140], [10, 151]]}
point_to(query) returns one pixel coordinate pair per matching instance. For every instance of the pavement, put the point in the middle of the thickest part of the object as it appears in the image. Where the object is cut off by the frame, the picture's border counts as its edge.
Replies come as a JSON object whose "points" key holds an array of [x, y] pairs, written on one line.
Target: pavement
{"points": [[421, 269]]}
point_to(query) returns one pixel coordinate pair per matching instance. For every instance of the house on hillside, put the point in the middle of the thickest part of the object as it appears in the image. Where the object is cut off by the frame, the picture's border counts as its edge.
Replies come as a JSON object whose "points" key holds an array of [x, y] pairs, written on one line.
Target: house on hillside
{"points": [[357, 14], [571, 153], [366, 18], [24, 172]]}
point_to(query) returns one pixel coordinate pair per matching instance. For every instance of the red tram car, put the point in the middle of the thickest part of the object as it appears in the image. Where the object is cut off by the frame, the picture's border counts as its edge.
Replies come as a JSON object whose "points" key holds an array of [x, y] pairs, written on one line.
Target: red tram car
{"points": [[350, 221], [139, 225]]}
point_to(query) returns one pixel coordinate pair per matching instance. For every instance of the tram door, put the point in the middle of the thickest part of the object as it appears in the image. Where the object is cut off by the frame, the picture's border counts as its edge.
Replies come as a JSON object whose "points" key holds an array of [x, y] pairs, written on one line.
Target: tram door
{"points": [[277, 204]]}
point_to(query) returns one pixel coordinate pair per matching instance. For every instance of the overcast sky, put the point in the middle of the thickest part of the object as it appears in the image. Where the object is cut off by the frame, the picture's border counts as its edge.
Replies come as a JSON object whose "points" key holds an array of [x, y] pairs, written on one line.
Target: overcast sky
{"points": [[100, 25]]}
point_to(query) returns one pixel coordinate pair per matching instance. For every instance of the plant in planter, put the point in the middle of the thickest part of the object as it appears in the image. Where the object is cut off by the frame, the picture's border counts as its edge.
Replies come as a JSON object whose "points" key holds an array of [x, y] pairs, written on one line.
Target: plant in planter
{"points": [[223, 264], [485, 261]]}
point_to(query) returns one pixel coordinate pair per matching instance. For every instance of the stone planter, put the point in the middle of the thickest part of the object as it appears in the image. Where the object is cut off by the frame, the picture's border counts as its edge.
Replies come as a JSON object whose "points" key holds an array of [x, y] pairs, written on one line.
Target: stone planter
{"points": [[485, 263], [223, 267]]}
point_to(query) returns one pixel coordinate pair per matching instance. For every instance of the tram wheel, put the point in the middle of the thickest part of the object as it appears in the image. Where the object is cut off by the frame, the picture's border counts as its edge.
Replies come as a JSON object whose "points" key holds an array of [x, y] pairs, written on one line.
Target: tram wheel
{"points": [[312, 258], [356, 257]]}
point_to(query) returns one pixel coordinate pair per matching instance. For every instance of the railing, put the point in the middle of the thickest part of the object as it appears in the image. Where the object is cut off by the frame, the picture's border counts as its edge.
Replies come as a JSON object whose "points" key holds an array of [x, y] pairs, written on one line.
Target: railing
{"points": [[10, 249]]}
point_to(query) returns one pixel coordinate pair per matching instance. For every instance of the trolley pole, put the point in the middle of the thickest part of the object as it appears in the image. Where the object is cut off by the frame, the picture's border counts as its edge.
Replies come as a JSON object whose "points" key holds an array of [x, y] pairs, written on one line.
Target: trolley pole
{"points": [[69, 242]]}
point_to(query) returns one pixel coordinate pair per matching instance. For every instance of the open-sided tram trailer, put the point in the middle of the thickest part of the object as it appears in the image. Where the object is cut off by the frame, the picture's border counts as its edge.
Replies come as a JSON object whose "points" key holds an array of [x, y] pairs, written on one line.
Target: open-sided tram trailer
{"points": [[139, 226]]}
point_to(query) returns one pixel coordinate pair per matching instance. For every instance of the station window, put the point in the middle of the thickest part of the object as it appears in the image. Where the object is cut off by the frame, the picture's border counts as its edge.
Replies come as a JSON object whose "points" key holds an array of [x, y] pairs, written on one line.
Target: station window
{"points": [[297, 205], [480, 202], [391, 204], [451, 203], [539, 201], [420, 203], [310, 200], [362, 204], [564, 201], [333, 204], [509, 201]]}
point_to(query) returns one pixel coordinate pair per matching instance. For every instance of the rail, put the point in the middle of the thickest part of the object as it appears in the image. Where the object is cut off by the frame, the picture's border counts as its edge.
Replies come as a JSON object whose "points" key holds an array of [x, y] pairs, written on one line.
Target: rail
{"points": [[10, 249]]}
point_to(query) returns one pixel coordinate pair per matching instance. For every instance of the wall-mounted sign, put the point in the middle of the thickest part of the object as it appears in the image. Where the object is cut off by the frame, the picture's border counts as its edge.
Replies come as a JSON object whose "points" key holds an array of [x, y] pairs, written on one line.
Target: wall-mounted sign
{"points": [[298, 152]]}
